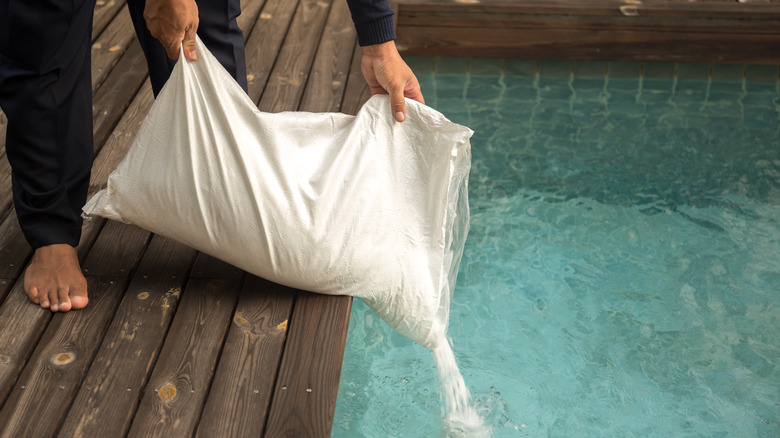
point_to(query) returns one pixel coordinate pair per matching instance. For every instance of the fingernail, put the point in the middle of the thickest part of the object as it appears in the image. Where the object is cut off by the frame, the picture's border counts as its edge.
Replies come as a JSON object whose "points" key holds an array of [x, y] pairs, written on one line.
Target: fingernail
{"points": [[400, 116]]}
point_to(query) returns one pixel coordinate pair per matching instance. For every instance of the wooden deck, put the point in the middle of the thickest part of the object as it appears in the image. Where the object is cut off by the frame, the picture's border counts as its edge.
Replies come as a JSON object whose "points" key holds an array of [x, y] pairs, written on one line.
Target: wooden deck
{"points": [[175, 343], [703, 31]]}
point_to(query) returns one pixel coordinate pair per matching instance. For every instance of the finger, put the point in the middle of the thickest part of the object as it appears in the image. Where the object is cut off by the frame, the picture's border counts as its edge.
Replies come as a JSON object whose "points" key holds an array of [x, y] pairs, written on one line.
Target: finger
{"points": [[172, 49], [189, 42], [398, 104]]}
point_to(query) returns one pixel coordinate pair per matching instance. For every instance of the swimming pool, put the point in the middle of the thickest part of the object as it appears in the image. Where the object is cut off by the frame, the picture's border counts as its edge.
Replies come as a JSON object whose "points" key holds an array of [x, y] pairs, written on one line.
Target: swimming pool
{"points": [[622, 273]]}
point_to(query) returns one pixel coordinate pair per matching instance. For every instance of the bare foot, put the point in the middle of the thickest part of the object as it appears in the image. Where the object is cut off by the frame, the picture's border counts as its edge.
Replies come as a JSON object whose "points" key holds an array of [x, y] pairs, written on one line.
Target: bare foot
{"points": [[54, 279]]}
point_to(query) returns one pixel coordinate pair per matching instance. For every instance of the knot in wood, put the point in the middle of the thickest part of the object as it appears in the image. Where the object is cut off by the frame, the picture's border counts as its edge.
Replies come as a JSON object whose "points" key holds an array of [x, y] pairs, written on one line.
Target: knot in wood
{"points": [[240, 320], [167, 392], [63, 358], [143, 295]]}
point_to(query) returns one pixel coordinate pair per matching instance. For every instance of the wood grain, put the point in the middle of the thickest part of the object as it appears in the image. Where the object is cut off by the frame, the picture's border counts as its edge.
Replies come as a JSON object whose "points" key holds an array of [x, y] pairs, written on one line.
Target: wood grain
{"points": [[14, 250], [287, 79], [178, 386], [207, 266], [121, 138], [264, 42], [45, 389], [120, 88], [240, 395], [305, 395], [105, 12], [669, 8], [107, 400], [116, 251], [328, 78], [21, 325], [110, 45], [705, 32]]}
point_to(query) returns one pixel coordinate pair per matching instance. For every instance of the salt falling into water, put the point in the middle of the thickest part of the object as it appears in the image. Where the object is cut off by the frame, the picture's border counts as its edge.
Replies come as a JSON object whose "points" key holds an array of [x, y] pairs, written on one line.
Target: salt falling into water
{"points": [[460, 417]]}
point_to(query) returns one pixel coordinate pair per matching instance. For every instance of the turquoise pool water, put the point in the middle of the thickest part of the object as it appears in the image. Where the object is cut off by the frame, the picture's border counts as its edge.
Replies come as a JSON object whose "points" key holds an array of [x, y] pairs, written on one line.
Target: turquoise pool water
{"points": [[622, 273]]}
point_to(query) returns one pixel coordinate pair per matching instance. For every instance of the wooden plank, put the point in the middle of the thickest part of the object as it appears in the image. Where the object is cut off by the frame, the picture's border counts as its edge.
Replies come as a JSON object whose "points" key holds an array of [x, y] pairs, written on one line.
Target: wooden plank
{"points": [[684, 8], [107, 400], [264, 42], [607, 44], [117, 250], [15, 251], [207, 266], [287, 80], [21, 325], [240, 395], [727, 32], [305, 395], [303, 405], [121, 138], [110, 45], [177, 389], [45, 389], [328, 78], [484, 21], [5, 286], [297, 410], [105, 11], [250, 9], [6, 196], [113, 99]]}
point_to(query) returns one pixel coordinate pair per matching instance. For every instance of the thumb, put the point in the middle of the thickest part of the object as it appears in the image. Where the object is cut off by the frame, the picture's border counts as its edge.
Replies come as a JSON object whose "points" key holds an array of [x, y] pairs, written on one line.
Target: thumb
{"points": [[398, 104], [188, 44]]}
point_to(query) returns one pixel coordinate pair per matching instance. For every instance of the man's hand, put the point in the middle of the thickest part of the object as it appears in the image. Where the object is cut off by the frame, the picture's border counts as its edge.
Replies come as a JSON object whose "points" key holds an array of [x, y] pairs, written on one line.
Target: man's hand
{"points": [[173, 23], [386, 73]]}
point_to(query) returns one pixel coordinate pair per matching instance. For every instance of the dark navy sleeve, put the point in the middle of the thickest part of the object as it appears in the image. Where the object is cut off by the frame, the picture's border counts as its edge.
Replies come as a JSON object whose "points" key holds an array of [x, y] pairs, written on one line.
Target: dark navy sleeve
{"points": [[373, 21]]}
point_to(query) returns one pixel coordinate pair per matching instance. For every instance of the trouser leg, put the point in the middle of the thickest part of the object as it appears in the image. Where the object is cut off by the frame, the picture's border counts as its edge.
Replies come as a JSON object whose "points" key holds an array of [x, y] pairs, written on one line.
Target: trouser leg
{"points": [[217, 29], [46, 94]]}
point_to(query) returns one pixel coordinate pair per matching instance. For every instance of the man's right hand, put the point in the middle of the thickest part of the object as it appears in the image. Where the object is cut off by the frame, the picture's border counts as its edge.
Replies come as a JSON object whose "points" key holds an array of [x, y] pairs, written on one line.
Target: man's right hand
{"points": [[173, 23]]}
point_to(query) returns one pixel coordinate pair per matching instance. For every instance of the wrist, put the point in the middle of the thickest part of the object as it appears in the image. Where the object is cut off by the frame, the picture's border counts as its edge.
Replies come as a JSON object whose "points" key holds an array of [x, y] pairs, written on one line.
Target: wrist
{"points": [[381, 50]]}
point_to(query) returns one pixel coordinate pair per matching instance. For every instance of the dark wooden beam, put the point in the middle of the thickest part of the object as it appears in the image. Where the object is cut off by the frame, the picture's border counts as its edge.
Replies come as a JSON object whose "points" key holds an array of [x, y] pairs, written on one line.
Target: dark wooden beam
{"points": [[679, 31]]}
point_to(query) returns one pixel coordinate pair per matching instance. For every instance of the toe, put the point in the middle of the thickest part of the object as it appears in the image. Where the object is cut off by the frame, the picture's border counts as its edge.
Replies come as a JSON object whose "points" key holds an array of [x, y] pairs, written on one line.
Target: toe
{"points": [[78, 301], [53, 300], [33, 294], [64, 300]]}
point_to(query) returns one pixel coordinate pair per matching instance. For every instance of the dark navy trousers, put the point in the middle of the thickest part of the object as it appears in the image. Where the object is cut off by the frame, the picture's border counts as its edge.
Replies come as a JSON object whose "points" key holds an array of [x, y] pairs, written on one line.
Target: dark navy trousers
{"points": [[46, 94]]}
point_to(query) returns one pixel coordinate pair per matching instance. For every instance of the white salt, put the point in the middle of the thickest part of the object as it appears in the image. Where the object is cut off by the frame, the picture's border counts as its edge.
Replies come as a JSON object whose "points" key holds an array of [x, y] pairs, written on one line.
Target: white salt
{"points": [[460, 417]]}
